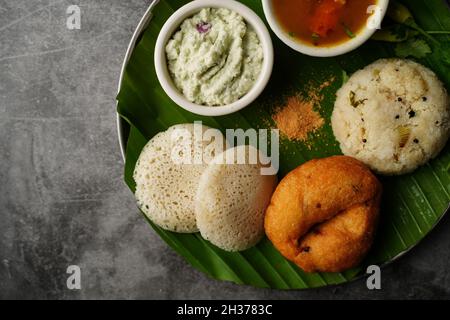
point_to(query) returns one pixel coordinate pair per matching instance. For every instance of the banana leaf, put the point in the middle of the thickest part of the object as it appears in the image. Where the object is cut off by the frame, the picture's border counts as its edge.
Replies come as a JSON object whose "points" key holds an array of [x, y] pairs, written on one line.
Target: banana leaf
{"points": [[412, 204]]}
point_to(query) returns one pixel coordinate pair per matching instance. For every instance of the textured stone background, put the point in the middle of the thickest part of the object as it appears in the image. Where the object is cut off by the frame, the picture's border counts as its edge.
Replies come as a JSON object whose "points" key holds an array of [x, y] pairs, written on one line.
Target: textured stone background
{"points": [[62, 198]]}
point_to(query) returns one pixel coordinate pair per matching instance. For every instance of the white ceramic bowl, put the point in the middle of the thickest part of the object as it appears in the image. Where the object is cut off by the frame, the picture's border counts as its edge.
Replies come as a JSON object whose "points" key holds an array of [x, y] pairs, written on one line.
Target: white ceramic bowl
{"points": [[331, 51], [172, 25]]}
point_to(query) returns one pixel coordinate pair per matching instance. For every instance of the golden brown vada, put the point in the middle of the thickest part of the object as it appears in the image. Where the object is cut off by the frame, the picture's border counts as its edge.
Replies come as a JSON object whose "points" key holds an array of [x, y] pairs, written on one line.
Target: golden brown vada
{"points": [[323, 215]]}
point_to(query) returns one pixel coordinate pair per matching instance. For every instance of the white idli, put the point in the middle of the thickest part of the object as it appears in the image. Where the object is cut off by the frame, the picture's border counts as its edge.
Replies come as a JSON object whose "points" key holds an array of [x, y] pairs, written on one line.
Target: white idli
{"points": [[231, 201], [165, 186], [392, 115]]}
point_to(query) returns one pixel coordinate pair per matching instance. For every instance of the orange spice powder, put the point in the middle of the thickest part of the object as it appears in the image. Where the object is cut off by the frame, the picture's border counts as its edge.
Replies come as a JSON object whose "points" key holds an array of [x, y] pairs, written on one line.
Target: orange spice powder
{"points": [[298, 117]]}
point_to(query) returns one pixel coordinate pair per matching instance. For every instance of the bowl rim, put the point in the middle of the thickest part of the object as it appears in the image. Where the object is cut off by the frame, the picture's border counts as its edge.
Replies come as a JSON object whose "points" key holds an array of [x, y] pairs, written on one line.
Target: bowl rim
{"points": [[173, 23], [331, 51]]}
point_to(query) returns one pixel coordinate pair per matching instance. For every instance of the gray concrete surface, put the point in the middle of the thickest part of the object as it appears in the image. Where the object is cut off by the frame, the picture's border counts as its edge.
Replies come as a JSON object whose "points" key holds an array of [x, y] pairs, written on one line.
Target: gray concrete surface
{"points": [[63, 200]]}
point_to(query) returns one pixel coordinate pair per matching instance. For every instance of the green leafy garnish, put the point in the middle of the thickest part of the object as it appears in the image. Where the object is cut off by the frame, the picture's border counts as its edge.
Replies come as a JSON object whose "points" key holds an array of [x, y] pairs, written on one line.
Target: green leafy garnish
{"points": [[412, 40], [445, 52], [291, 34], [394, 33], [398, 12], [414, 47], [349, 32], [410, 22], [355, 103], [315, 38], [345, 77], [401, 14]]}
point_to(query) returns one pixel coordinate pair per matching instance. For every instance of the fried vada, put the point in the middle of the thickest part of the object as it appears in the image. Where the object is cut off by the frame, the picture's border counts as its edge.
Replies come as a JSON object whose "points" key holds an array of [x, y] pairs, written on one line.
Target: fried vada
{"points": [[323, 215]]}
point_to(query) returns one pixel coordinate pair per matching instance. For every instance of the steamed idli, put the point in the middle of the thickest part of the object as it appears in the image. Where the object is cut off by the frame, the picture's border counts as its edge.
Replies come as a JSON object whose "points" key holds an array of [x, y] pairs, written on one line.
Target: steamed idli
{"points": [[167, 176], [231, 200], [392, 115]]}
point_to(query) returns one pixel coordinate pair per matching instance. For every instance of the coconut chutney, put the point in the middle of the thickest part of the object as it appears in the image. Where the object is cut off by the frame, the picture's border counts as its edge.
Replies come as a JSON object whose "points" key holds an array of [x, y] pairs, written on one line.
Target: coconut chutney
{"points": [[215, 57]]}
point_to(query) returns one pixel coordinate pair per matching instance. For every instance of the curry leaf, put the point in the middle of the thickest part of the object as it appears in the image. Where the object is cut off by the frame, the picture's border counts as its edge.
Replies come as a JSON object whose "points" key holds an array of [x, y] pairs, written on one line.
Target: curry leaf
{"points": [[417, 48], [444, 52], [394, 33]]}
